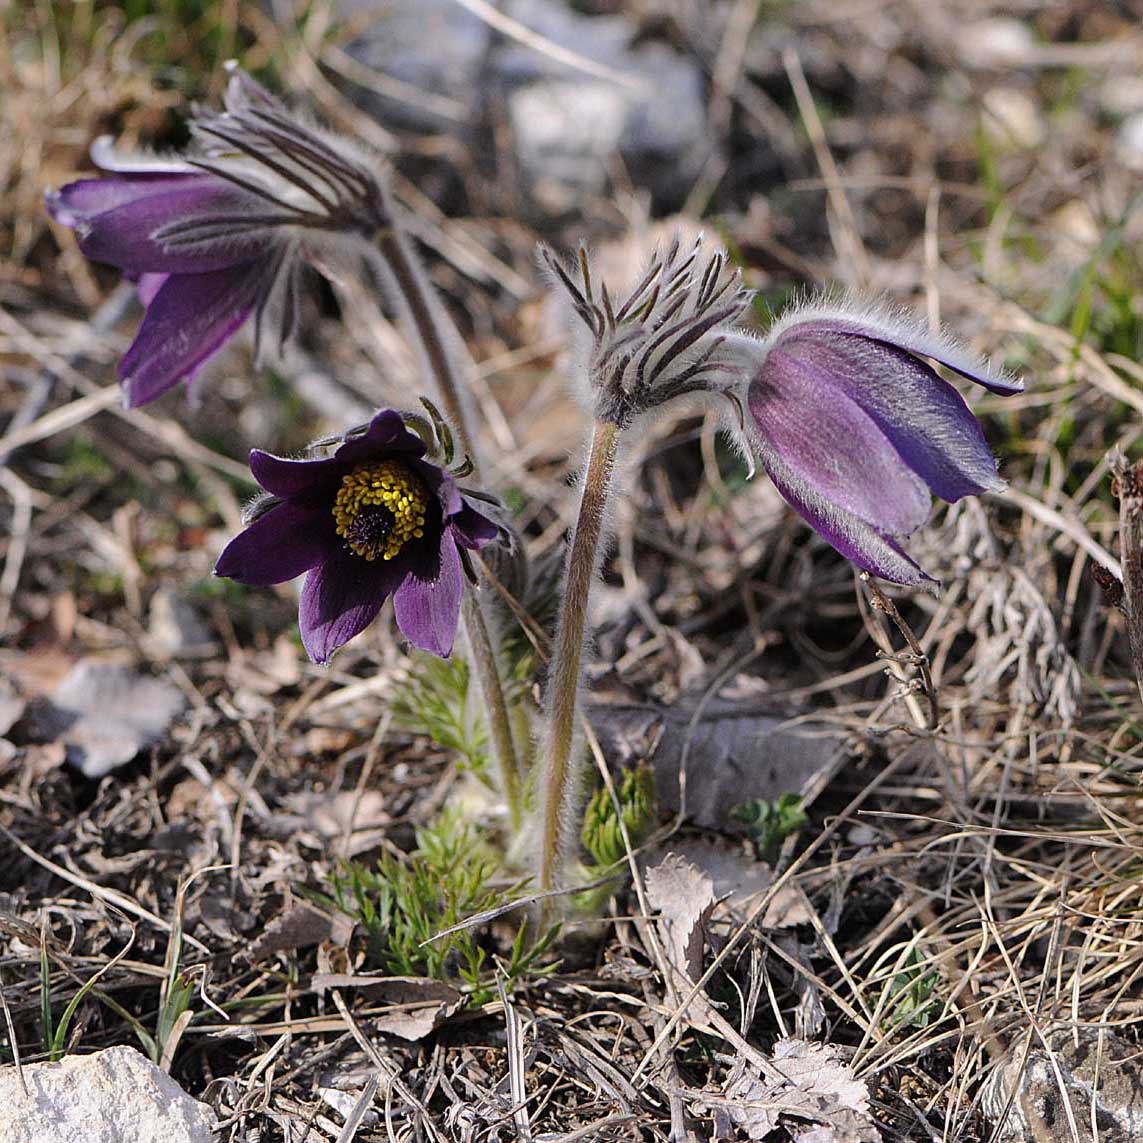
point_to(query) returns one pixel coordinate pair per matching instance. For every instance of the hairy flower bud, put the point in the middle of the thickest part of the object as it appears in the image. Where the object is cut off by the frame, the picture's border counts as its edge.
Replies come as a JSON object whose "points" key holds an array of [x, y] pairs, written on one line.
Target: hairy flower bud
{"points": [[664, 339]]}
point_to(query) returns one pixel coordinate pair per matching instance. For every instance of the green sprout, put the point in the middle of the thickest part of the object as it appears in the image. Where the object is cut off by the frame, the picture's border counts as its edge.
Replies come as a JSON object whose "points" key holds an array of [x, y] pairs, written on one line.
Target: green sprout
{"points": [[768, 824]]}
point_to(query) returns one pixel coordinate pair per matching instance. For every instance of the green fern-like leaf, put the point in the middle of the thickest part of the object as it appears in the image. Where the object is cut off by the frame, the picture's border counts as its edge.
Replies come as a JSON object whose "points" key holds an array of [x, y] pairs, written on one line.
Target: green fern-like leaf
{"points": [[436, 698]]}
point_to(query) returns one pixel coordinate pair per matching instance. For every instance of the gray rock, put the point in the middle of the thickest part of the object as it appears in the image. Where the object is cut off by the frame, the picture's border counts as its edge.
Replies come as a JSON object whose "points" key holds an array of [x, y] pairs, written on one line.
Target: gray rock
{"points": [[176, 630], [113, 1096], [1096, 1071], [1129, 142], [570, 126], [105, 713], [432, 46]]}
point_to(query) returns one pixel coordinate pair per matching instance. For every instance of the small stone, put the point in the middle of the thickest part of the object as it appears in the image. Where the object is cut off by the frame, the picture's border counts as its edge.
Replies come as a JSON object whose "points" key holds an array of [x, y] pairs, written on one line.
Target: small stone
{"points": [[113, 1096], [1094, 1069], [570, 126], [435, 47], [1013, 118], [1121, 95], [1129, 142], [996, 43], [176, 630]]}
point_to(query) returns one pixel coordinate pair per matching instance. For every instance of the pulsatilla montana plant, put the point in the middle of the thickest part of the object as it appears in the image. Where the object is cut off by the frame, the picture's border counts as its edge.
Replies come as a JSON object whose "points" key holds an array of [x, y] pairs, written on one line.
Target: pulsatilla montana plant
{"points": [[839, 402]]}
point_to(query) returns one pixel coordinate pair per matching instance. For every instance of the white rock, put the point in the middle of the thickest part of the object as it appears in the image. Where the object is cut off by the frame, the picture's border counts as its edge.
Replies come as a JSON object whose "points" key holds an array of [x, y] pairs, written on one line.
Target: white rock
{"points": [[1013, 118], [1129, 142], [1121, 95], [113, 1096], [995, 43]]}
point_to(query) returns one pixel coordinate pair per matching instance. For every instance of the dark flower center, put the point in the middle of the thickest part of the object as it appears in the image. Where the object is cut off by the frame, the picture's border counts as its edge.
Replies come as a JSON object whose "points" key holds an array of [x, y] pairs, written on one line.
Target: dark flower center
{"points": [[379, 508]]}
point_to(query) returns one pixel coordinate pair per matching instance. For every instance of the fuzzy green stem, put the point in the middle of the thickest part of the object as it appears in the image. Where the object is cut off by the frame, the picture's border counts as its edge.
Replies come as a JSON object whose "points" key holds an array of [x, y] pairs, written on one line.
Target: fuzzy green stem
{"points": [[430, 324], [484, 662], [561, 762]]}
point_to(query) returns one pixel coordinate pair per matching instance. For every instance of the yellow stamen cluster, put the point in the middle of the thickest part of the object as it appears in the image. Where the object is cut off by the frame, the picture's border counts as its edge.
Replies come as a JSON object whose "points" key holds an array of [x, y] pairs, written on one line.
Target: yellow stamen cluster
{"points": [[389, 485]]}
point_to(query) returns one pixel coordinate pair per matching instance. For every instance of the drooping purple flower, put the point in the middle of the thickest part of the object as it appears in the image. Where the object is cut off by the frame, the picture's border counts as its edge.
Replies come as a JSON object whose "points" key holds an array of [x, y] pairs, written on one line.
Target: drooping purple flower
{"points": [[375, 519], [218, 235], [858, 432]]}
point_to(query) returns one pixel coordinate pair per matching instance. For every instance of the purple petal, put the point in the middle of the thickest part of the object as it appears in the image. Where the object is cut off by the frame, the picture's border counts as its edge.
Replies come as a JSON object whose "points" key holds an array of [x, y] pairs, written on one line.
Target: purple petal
{"points": [[829, 443], [80, 201], [280, 545], [851, 536], [385, 434], [190, 319], [903, 332], [924, 417], [148, 286], [428, 610], [287, 477], [341, 597], [472, 528], [116, 220]]}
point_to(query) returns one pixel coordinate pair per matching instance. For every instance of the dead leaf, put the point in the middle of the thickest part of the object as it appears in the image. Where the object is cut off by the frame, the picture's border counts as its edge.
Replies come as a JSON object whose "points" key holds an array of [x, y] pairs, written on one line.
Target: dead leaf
{"points": [[739, 879], [320, 819], [105, 713], [11, 706], [810, 1091], [684, 896], [418, 1004], [300, 926], [175, 630]]}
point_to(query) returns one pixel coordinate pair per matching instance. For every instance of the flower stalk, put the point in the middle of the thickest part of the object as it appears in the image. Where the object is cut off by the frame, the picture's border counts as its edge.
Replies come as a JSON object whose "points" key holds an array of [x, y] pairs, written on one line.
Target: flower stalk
{"points": [[562, 760], [423, 312], [487, 668], [416, 294]]}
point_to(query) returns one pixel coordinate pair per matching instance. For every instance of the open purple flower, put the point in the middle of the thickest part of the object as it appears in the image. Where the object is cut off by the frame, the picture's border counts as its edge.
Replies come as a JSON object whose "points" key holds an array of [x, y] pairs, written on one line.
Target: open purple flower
{"points": [[218, 236], [374, 519], [857, 432]]}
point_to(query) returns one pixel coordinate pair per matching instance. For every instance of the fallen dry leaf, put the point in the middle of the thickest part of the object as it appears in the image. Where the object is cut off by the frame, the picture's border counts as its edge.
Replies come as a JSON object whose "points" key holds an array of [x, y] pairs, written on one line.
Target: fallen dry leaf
{"points": [[810, 1091], [419, 1004], [300, 926], [684, 896]]}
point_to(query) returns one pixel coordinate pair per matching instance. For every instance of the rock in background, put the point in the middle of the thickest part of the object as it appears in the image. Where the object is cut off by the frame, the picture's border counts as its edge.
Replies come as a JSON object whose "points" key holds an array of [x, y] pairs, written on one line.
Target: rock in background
{"points": [[642, 112], [114, 1096]]}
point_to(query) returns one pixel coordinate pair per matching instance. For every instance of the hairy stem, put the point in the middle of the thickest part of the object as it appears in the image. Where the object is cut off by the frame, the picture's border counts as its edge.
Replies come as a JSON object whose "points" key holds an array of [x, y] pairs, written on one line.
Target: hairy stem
{"points": [[438, 341], [487, 668], [1128, 487], [561, 763], [432, 330]]}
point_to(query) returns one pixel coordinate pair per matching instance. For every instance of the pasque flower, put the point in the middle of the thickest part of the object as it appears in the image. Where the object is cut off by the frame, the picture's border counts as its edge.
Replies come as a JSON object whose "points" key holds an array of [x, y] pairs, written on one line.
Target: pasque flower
{"points": [[218, 235], [374, 519], [858, 431]]}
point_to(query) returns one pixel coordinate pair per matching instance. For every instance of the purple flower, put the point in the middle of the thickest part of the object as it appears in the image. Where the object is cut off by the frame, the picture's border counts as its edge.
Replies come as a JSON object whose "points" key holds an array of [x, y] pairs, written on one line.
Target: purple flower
{"points": [[857, 432], [374, 519], [219, 235]]}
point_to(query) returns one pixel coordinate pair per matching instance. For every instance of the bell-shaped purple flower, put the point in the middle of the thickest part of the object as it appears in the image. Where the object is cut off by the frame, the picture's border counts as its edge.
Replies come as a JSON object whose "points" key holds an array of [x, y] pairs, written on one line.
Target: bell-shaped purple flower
{"points": [[857, 431], [218, 235], [375, 519]]}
